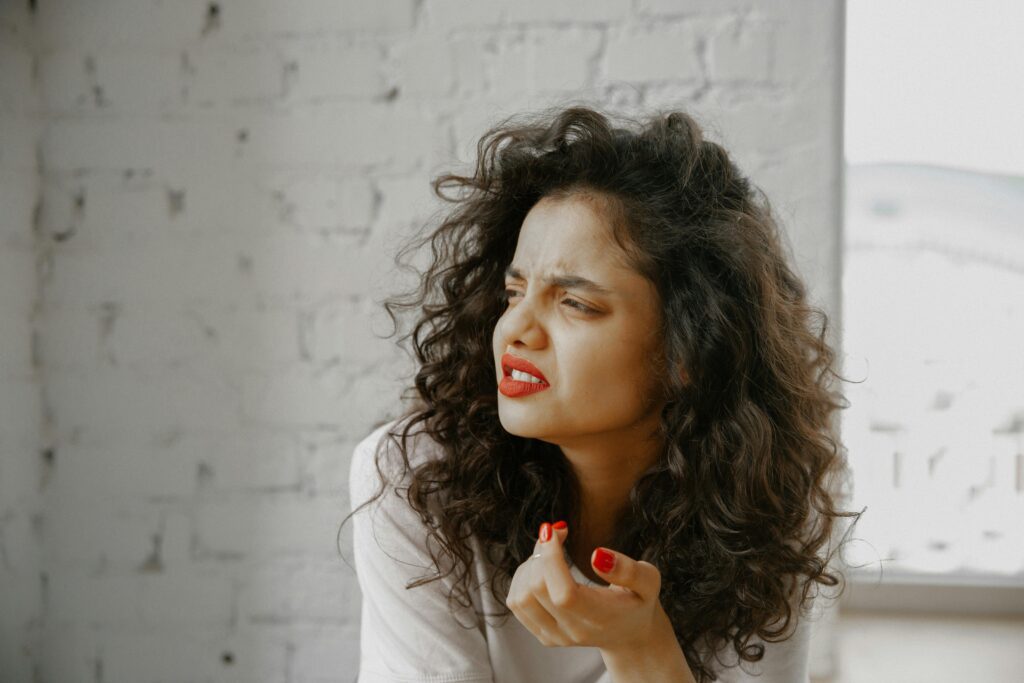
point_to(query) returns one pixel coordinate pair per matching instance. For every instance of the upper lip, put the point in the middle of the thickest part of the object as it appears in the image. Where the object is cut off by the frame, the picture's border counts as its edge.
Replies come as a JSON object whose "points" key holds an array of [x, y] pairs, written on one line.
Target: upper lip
{"points": [[510, 362]]}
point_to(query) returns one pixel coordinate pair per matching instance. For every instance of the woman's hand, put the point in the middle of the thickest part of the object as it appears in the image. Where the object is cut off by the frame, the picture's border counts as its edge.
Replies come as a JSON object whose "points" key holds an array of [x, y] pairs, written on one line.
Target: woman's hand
{"points": [[621, 617]]}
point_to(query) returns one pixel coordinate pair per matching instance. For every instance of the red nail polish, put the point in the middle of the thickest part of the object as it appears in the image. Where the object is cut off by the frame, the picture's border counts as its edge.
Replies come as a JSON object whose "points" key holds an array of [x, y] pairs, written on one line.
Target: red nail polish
{"points": [[559, 525], [545, 532], [603, 560]]}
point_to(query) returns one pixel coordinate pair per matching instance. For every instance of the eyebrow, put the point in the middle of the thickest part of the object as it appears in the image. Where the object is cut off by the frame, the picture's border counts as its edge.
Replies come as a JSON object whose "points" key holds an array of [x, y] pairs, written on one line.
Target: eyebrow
{"points": [[568, 281]]}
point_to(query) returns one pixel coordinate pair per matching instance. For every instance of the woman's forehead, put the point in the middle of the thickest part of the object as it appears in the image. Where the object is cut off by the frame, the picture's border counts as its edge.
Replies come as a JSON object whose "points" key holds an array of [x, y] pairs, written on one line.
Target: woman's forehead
{"points": [[567, 234]]}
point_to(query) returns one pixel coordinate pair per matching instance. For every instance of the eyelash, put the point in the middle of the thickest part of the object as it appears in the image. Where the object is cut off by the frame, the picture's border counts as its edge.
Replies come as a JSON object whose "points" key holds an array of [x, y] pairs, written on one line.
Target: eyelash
{"points": [[582, 308]]}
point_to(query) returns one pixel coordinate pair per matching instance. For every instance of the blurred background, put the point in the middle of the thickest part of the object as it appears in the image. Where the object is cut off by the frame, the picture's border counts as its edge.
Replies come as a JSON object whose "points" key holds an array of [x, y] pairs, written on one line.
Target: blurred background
{"points": [[201, 205]]}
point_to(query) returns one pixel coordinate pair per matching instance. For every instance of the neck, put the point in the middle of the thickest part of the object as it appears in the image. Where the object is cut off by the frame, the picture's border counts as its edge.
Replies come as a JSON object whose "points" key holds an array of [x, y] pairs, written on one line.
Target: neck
{"points": [[606, 466]]}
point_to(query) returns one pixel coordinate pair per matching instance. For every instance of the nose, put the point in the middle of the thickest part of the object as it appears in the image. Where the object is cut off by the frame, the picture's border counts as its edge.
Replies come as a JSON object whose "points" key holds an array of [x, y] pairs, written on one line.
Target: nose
{"points": [[520, 323]]}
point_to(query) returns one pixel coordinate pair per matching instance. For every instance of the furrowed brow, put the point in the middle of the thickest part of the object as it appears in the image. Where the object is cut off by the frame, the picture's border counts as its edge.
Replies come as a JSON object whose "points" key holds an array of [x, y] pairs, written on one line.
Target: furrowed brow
{"points": [[568, 281]]}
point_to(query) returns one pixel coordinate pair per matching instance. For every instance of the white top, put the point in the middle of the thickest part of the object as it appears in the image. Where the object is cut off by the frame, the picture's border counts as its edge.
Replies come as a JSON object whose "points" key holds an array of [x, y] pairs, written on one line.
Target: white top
{"points": [[411, 636]]}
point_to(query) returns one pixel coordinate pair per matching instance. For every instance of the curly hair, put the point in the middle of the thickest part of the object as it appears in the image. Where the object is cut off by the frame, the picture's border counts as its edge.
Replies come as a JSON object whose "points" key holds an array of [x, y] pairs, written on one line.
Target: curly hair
{"points": [[736, 512]]}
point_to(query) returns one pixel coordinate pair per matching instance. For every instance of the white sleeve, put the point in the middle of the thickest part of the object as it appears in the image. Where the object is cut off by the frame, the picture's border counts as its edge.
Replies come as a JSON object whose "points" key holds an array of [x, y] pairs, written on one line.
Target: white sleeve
{"points": [[786, 661], [406, 635]]}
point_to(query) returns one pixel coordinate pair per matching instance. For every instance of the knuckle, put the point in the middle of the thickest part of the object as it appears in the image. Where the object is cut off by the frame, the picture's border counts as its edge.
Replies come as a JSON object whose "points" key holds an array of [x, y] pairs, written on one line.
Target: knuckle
{"points": [[564, 598], [650, 572], [575, 637]]}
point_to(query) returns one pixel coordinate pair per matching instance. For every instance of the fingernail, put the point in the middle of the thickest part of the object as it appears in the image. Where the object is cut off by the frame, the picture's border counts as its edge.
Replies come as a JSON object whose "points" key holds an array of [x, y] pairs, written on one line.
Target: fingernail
{"points": [[559, 525], [603, 560], [545, 532]]}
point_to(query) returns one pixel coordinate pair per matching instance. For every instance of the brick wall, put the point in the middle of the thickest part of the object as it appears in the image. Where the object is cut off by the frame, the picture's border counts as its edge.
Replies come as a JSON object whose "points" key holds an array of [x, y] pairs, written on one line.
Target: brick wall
{"points": [[202, 202], [22, 455]]}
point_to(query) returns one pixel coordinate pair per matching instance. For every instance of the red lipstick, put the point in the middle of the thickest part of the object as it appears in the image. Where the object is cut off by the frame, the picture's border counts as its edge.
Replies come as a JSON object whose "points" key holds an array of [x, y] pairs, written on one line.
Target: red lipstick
{"points": [[514, 387]]}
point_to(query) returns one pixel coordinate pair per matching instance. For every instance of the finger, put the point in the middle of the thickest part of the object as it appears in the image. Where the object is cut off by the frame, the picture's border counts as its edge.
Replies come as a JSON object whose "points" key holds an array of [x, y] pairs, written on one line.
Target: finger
{"points": [[540, 622], [568, 602], [643, 578], [560, 584]]}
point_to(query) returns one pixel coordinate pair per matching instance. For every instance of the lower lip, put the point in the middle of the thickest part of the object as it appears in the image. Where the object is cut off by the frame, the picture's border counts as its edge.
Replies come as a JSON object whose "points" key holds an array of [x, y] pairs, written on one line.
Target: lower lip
{"points": [[514, 388]]}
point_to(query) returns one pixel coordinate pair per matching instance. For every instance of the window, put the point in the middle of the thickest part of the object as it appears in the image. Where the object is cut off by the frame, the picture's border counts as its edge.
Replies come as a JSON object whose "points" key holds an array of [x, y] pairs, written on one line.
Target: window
{"points": [[933, 297]]}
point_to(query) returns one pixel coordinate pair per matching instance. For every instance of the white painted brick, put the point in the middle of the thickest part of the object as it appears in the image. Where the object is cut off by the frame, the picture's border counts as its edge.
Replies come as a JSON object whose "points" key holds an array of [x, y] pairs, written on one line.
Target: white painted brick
{"points": [[21, 411], [247, 337], [452, 14], [668, 53], [349, 332], [198, 654], [20, 607], [741, 54], [110, 401], [176, 542], [18, 136], [250, 461], [16, 93], [326, 456], [167, 268], [343, 135], [469, 124], [376, 392], [545, 59], [326, 70], [470, 71], [425, 67], [286, 589], [17, 291], [278, 526], [128, 334], [20, 546], [575, 11], [125, 205], [123, 469], [407, 199], [18, 195], [511, 69], [184, 600], [106, 536], [335, 648], [110, 81], [138, 143], [562, 58], [258, 19], [56, 211], [71, 652], [323, 202], [244, 74], [20, 474], [281, 269], [110, 601], [804, 47], [299, 396], [743, 126], [675, 8], [63, 24]]}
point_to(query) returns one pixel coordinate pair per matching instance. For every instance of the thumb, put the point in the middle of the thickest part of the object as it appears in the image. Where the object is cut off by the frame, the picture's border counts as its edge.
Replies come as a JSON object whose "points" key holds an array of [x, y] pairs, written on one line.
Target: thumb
{"points": [[561, 530], [643, 578]]}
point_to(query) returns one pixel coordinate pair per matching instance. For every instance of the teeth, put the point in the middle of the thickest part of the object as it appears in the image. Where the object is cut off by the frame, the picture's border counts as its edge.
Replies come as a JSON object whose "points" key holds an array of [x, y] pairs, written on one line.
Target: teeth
{"points": [[524, 377]]}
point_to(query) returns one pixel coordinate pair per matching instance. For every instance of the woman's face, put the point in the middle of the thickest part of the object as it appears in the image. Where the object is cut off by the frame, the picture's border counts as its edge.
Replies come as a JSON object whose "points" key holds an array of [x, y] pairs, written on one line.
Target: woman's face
{"points": [[593, 345]]}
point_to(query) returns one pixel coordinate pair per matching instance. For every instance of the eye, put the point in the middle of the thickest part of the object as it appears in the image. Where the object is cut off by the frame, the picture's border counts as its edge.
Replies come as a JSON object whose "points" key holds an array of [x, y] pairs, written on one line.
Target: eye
{"points": [[571, 303]]}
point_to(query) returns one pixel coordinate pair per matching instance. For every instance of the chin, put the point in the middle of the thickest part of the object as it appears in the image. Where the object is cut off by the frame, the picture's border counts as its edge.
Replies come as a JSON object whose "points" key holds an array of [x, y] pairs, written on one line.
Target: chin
{"points": [[519, 426]]}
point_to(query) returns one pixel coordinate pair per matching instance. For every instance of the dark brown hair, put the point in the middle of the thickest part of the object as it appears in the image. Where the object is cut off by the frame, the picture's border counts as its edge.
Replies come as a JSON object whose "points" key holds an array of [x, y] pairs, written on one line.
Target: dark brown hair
{"points": [[739, 510]]}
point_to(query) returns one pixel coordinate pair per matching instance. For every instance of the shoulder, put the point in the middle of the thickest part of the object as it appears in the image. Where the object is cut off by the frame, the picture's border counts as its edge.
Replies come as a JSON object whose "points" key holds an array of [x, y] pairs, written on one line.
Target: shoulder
{"points": [[379, 454]]}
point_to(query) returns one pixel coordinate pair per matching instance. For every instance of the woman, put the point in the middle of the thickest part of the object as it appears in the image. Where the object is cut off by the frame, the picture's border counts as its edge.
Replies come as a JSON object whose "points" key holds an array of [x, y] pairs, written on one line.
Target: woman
{"points": [[611, 340]]}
